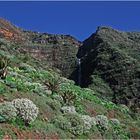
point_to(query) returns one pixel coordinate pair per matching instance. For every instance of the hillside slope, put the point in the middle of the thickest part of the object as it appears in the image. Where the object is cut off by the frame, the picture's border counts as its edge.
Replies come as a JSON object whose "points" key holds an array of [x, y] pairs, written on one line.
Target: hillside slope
{"points": [[65, 110]]}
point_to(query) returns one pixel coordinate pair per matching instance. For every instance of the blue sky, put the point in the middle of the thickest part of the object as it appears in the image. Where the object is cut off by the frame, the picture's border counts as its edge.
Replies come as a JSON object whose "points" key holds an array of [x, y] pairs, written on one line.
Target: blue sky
{"points": [[79, 19]]}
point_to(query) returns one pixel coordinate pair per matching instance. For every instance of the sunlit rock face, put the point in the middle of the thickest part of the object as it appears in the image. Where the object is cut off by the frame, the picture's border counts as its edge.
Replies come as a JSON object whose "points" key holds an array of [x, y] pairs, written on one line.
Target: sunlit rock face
{"points": [[110, 64]]}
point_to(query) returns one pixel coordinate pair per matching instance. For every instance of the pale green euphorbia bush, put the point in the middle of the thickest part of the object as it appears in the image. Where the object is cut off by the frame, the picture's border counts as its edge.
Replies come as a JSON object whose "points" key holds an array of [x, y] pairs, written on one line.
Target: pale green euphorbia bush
{"points": [[26, 109]]}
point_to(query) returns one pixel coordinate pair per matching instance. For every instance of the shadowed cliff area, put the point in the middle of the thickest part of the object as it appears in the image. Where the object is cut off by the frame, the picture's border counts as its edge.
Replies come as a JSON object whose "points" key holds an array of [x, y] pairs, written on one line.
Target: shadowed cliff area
{"points": [[110, 64]]}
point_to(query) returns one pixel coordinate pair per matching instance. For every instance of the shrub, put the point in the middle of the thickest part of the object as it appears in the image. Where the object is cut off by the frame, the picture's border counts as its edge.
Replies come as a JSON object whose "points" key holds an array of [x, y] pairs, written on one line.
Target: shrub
{"points": [[54, 104], [57, 97], [118, 130], [62, 122], [77, 124], [102, 123], [115, 121], [124, 108], [37, 88], [53, 83], [7, 112], [65, 80], [68, 109], [88, 122], [27, 110], [70, 92], [16, 82], [68, 96], [3, 88], [26, 67]]}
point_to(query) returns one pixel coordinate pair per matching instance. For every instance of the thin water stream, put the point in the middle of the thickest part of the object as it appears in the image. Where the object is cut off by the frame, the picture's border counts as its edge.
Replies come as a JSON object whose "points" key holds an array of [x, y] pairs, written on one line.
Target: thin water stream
{"points": [[79, 71]]}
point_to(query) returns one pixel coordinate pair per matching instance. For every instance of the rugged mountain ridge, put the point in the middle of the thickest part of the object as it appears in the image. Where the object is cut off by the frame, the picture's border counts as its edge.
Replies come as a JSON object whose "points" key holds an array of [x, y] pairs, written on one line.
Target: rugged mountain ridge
{"points": [[110, 60]]}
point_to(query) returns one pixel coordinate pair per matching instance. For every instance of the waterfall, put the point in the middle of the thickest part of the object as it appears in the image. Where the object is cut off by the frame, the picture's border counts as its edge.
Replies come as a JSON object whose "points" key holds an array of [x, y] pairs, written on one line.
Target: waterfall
{"points": [[79, 71]]}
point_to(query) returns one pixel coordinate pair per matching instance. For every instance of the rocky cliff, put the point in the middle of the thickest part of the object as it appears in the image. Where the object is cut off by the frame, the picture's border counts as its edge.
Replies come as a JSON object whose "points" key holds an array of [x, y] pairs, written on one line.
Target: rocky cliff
{"points": [[57, 51], [111, 65]]}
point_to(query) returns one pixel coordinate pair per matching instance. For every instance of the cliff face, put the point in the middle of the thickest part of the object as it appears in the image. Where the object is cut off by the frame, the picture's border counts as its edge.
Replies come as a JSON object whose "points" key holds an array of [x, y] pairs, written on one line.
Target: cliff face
{"points": [[59, 51], [56, 51], [111, 65]]}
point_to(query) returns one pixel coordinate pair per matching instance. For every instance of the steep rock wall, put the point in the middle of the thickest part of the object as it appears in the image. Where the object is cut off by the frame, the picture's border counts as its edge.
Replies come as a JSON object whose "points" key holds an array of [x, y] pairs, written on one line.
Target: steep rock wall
{"points": [[111, 65]]}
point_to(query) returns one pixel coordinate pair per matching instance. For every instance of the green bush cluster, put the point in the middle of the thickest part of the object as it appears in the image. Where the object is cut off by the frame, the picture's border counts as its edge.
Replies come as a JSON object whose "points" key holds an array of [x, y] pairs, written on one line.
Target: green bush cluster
{"points": [[27, 68], [62, 122], [54, 104], [72, 123], [75, 123], [117, 130], [53, 83], [22, 108], [15, 80]]}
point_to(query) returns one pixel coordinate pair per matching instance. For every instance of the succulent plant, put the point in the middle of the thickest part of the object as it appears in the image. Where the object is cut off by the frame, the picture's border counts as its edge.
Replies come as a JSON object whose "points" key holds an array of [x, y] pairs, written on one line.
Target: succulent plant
{"points": [[88, 122], [62, 122], [26, 109], [7, 112], [68, 109], [102, 123], [77, 124]]}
